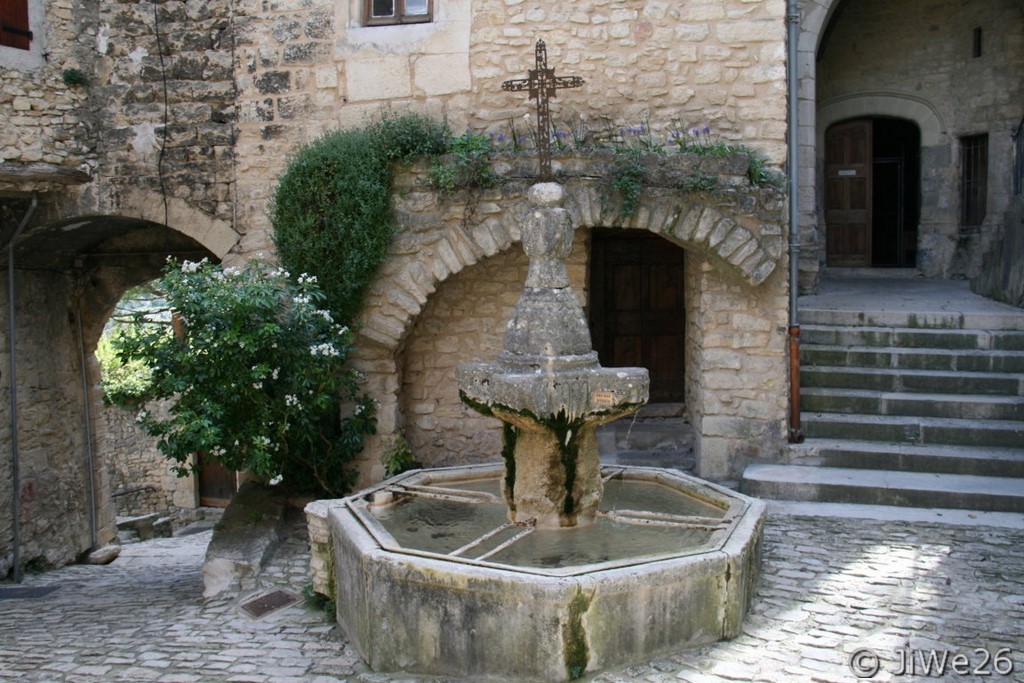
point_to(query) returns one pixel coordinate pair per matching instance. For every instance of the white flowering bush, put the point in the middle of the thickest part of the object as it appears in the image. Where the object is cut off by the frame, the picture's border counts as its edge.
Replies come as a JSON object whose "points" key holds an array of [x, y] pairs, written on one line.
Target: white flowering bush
{"points": [[255, 376]]}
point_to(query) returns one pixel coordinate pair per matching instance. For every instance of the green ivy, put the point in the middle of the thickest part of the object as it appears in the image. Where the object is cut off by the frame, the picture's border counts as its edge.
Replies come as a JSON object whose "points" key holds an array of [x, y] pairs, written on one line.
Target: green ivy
{"points": [[467, 165], [331, 212], [626, 181]]}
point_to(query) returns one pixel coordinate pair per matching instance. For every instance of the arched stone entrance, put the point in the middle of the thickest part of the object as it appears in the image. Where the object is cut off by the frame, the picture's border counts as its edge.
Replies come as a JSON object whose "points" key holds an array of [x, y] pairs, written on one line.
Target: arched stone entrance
{"points": [[69, 272], [736, 306], [857, 60]]}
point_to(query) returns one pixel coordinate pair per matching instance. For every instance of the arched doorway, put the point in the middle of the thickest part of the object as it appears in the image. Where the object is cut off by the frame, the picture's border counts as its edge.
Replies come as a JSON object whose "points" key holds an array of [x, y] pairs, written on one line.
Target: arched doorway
{"points": [[872, 197], [637, 310]]}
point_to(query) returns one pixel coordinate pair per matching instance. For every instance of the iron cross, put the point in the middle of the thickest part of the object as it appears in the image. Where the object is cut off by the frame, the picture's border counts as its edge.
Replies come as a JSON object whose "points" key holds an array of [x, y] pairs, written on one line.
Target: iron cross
{"points": [[543, 84]]}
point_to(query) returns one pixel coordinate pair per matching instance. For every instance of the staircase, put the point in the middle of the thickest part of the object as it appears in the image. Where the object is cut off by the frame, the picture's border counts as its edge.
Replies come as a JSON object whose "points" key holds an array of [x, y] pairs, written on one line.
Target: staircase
{"points": [[908, 408], [657, 436]]}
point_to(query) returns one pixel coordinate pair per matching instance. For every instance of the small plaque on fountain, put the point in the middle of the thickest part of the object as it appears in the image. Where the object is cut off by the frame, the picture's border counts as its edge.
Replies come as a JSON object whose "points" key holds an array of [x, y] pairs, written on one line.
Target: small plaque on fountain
{"points": [[603, 398]]}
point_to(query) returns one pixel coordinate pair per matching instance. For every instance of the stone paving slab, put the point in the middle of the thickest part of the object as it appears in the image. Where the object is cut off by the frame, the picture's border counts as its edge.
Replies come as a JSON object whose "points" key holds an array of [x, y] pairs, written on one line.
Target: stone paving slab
{"points": [[831, 588]]}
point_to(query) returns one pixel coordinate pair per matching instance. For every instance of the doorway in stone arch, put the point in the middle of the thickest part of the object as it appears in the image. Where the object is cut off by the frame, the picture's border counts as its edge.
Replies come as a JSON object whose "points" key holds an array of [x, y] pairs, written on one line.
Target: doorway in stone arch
{"points": [[872, 193], [637, 310]]}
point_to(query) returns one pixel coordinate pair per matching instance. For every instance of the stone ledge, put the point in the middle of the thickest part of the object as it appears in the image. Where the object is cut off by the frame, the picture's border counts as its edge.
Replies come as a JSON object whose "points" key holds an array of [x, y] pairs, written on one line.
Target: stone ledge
{"points": [[243, 539]]}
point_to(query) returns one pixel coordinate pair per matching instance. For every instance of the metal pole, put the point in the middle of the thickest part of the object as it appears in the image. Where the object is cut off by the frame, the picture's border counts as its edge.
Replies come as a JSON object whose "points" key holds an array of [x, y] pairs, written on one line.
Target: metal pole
{"points": [[793, 25], [89, 452], [13, 379]]}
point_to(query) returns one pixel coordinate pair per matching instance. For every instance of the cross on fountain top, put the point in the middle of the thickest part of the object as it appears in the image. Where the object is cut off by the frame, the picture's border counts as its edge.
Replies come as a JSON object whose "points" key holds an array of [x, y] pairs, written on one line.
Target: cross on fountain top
{"points": [[543, 84]]}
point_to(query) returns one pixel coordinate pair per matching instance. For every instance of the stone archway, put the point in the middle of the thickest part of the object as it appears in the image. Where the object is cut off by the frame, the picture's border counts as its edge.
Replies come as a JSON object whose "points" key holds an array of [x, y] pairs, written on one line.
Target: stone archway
{"points": [[70, 271], [735, 243]]}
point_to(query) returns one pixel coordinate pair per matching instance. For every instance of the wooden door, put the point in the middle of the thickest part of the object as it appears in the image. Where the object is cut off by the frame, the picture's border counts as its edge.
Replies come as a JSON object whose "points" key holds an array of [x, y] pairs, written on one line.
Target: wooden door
{"points": [[637, 314], [848, 164], [217, 484]]}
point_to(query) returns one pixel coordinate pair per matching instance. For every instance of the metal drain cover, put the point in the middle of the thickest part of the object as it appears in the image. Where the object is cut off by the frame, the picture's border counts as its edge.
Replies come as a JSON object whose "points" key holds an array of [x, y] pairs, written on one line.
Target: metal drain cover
{"points": [[262, 605], [25, 592]]}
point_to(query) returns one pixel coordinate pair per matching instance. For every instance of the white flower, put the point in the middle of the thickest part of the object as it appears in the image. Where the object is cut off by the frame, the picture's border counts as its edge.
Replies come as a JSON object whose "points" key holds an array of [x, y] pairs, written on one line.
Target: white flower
{"points": [[276, 371], [291, 400], [306, 279], [141, 416], [325, 349], [276, 480], [301, 298], [257, 385], [326, 315], [190, 266]]}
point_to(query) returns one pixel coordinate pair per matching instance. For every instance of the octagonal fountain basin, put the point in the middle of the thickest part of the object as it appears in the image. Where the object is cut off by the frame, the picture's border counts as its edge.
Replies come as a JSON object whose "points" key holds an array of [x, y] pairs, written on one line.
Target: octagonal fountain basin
{"points": [[433, 579]]}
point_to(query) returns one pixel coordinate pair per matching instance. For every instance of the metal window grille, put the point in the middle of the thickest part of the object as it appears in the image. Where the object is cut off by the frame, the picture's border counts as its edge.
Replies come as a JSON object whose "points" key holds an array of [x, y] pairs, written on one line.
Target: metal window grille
{"points": [[973, 179]]}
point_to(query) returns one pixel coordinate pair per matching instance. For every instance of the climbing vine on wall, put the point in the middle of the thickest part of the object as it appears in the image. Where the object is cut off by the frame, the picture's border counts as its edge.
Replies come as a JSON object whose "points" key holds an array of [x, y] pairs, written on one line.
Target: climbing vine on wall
{"points": [[331, 212]]}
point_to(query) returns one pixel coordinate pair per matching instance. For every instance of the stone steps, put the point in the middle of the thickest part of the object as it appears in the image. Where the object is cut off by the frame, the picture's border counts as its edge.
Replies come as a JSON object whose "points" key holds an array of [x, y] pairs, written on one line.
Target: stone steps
{"points": [[883, 487], [912, 407], [910, 429], [912, 381], [952, 360], [898, 403], [878, 455], [910, 337], [648, 441]]}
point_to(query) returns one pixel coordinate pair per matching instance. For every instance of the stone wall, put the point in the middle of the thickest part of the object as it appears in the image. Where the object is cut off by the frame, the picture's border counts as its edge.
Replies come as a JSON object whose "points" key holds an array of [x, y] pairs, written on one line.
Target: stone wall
{"points": [[304, 70], [873, 65], [438, 285], [463, 321], [141, 479], [44, 118], [53, 461], [1002, 276]]}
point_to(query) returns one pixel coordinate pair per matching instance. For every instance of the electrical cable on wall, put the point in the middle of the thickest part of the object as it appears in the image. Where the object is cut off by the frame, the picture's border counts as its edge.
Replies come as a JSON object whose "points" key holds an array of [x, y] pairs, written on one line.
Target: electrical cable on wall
{"points": [[166, 118]]}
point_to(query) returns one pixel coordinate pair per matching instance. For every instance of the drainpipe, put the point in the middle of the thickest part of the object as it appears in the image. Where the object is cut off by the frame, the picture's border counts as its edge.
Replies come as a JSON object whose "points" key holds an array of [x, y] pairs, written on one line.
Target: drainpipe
{"points": [[13, 379], [89, 452], [796, 434]]}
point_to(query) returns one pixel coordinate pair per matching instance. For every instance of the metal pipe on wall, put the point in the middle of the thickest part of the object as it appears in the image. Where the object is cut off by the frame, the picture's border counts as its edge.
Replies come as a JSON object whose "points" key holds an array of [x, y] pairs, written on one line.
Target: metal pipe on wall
{"points": [[793, 162], [89, 451], [13, 379]]}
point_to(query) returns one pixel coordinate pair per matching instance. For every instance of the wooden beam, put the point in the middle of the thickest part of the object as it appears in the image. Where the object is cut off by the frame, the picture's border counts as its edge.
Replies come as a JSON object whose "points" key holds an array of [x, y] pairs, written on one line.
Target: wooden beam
{"points": [[13, 171]]}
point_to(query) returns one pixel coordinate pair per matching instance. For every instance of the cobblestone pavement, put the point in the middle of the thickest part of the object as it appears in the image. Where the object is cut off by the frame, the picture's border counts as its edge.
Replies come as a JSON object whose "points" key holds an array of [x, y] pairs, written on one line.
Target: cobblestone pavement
{"points": [[830, 587]]}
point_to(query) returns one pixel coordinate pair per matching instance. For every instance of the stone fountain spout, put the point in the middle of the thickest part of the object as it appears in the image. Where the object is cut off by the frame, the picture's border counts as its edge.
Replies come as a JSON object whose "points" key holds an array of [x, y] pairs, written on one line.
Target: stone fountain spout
{"points": [[547, 384]]}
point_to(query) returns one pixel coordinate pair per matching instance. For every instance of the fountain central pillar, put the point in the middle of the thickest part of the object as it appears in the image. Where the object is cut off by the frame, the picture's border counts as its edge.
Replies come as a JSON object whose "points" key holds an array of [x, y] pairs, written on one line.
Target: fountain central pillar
{"points": [[547, 385]]}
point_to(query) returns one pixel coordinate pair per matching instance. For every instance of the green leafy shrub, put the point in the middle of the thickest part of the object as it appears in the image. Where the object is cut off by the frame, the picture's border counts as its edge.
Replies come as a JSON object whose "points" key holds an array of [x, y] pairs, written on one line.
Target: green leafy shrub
{"points": [[626, 180], [256, 381], [331, 212], [467, 165], [398, 458]]}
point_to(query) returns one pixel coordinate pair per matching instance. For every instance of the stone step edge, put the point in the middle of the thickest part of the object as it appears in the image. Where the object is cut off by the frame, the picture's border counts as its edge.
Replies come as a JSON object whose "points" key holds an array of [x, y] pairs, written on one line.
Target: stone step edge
{"points": [[964, 423], [884, 479], [927, 320], [914, 338], [914, 372], [992, 461], [841, 392], [814, 447], [912, 350]]}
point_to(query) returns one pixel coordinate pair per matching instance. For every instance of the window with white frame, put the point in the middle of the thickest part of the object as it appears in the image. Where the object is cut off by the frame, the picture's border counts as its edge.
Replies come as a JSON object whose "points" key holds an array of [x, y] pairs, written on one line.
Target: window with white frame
{"points": [[385, 12]]}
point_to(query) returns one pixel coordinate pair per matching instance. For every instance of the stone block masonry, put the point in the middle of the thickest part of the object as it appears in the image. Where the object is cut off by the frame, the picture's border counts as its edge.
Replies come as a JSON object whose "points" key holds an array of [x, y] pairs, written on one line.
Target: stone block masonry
{"points": [[304, 70], [454, 271]]}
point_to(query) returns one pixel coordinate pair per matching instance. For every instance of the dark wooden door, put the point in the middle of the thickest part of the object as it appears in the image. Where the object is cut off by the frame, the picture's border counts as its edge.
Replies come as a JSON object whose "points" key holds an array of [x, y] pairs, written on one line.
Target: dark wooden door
{"points": [[217, 484], [848, 165], [637, 313]]}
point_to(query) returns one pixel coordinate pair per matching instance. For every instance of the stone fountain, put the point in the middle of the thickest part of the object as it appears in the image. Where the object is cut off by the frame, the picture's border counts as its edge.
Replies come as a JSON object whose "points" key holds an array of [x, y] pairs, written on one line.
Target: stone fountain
{"points": [[547, 384], [549, 565]]}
